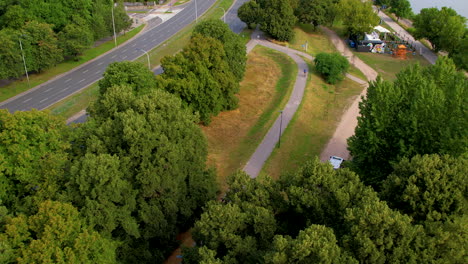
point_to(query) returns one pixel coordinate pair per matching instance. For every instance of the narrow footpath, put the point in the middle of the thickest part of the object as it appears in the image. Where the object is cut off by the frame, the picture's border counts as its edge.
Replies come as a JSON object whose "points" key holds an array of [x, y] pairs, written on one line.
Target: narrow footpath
{"points": [[263, 151], [338, 145]]}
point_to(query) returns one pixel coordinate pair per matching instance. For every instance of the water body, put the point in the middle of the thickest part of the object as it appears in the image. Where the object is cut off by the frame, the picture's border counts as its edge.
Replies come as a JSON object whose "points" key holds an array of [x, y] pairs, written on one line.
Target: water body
{"points": [[461, 6]]}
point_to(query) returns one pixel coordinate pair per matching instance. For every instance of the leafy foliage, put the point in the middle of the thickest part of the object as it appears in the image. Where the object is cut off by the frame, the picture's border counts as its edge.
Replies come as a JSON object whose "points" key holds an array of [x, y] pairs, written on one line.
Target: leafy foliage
{"points": [[315, 12], [250, 13], [443, 36], [358, 17], [55, 234], [459, 55], [405, 118], [278, 19], [52, 31], [332, 66], [234, 47], [201, 77], [144, 171], [33, 153], [401, 8], [428, 188]]}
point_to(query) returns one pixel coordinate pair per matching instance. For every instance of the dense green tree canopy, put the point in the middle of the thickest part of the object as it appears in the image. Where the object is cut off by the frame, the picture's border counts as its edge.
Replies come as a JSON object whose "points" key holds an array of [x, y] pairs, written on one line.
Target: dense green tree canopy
{"points": [[278, 19], [358, 17], [150, 179], [250, 13], [315, 215], [428, 187], [55, 234], [422, 112], [33, 154], [459, 55], [234, 47], [443, 36], [332, 66], [52, 31], [201, 77], [133, 74], [315, 12], [401, 8]]}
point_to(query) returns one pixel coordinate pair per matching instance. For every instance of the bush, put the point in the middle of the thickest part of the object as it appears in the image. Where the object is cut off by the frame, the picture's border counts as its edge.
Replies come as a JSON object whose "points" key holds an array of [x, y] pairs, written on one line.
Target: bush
{"points": [[332, 66]]}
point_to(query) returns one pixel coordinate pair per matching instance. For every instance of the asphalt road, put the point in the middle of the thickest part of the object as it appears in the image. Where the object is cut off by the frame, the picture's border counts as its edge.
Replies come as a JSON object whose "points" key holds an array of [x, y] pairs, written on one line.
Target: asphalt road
{"points": [[71, 82]]}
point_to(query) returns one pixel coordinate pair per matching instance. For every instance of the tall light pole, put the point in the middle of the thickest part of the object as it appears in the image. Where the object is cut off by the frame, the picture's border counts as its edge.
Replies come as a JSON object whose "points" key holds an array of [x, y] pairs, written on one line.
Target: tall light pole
{"points": [[281, 124], [24, 61], [196, 12], [113, 24], [224, 14], [147, 56]]}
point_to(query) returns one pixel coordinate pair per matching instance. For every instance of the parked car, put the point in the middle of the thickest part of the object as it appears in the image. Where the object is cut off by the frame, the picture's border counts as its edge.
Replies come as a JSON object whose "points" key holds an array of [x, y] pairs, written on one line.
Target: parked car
{"points": [[336, 162]]}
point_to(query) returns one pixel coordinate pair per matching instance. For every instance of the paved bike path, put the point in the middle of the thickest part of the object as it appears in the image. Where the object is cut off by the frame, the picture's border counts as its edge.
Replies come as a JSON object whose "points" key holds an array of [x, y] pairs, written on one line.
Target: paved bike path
{"points": [[263, 151]]}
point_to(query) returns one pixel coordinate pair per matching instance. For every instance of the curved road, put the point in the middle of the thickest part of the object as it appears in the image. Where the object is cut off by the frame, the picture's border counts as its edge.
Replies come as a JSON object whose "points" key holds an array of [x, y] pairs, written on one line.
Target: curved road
{"points": [[73, 81]]}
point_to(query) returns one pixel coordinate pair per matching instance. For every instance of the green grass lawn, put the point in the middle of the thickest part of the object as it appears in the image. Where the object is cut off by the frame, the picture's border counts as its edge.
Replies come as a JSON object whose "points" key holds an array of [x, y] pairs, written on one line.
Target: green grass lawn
{"points": [[313, 124], [317, 42], [234, 135], [388, 66], [73, 104], [20, 86]]}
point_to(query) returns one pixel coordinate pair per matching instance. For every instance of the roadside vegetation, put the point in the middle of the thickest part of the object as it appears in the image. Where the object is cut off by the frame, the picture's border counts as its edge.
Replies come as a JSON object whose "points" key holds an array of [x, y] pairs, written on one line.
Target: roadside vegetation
{"points": [[234, 135], [47, 38]]}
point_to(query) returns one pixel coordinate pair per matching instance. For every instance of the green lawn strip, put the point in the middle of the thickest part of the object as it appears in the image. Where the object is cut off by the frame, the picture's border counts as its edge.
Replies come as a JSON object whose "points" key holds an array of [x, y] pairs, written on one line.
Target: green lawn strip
{"points": [[139, 12], [75, 103], [284, 87], [317, 42], [388, 66], [313, 124], [246, 34], [20, 86], [171, 46], [180, 2]]}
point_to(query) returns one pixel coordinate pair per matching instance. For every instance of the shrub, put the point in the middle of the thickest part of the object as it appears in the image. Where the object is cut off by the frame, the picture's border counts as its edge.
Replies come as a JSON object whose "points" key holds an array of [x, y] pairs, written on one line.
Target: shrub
{"points": [[332, 66]]}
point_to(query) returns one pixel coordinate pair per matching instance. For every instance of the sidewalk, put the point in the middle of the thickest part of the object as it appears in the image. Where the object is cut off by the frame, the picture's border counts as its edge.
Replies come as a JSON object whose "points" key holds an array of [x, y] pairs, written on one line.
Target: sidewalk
{"points": [[263, 151]]}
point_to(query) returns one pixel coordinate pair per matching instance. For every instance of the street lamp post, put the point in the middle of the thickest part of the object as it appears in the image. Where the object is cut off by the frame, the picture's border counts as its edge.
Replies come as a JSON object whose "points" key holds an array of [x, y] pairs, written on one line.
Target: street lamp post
{"points": [[281, 124], [24, 61], [147, 56], [113, 24], [196, 12], [224, 14]]}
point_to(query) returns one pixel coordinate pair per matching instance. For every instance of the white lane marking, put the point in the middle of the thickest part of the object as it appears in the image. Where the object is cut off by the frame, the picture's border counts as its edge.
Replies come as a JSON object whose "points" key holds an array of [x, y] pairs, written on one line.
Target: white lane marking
{"points": [[48, 90], [85, 71], [43, 100], [114, 56], [133, 45], [100, 63], [144, 39], [123, 58], [81, 80], [27, 100], [124, 50], [99, 71], [66, 88], [68, 80]]}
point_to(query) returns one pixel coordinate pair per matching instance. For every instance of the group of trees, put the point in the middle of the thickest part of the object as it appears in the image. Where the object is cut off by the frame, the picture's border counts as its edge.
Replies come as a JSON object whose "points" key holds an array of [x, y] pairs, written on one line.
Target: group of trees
{"points": [[321, 215], [277, 17], [52, 31], [403, 199], [121, 186], [206, 74], [401, 8], [450, 36], [422, 112]]}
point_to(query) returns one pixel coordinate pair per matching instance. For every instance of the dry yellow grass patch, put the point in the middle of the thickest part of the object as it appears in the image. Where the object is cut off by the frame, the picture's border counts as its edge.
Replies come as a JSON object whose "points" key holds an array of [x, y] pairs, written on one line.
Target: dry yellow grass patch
{"points": [[231, 135]]}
